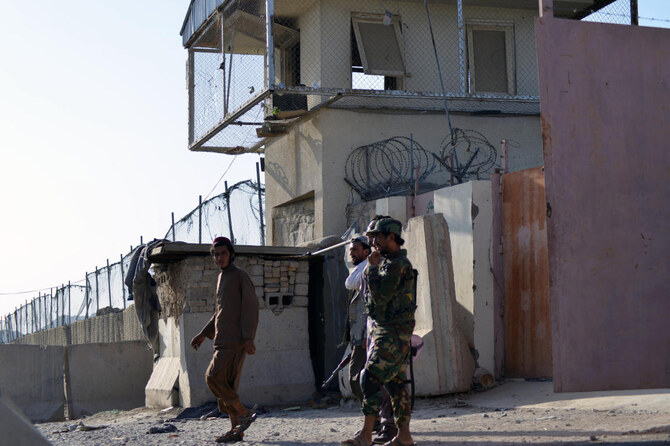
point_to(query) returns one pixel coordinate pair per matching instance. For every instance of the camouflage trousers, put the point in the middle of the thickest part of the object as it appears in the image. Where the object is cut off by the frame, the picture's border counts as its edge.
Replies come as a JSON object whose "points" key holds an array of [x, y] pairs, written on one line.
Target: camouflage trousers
{"points": [[386, 365]]}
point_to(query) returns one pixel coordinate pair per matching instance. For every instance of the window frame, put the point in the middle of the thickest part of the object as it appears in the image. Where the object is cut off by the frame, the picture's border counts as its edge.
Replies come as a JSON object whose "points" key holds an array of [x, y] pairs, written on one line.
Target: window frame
{"points": [[377, 19], [490, 25]]}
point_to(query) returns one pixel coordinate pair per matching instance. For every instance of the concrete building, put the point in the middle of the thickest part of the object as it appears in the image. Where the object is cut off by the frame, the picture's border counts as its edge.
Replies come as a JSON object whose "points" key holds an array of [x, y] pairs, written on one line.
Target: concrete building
{"points": [[341, 75]]}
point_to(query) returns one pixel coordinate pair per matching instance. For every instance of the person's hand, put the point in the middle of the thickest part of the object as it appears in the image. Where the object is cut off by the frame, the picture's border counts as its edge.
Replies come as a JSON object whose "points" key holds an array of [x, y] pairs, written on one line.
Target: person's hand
{"points": [[249, 347], [374, 258], [197, 341]]}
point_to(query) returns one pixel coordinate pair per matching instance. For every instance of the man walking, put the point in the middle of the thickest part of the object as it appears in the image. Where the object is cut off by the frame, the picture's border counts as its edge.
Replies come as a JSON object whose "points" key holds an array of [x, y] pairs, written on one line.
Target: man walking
{"points": [[391, 304], [233, 329], [356, 336]]}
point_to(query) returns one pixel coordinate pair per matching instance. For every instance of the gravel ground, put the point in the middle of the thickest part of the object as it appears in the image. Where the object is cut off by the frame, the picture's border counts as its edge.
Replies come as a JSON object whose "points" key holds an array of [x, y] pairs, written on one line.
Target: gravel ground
{"points": [[449, 420]]}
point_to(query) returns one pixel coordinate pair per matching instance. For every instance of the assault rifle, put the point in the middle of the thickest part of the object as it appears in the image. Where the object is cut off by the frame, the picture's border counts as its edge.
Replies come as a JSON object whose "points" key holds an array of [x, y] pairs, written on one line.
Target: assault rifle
{"points": [[339, 367]]}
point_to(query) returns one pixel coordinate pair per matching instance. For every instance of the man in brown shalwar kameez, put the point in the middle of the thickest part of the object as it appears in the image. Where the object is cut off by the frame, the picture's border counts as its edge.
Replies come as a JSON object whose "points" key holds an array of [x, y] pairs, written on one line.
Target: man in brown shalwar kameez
{"points": [[233, 328]]}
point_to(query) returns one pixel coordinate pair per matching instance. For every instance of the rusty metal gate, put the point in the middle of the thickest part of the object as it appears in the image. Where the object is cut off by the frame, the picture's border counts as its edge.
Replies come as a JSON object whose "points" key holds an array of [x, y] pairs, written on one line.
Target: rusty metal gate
{"points": [[527, 316]]}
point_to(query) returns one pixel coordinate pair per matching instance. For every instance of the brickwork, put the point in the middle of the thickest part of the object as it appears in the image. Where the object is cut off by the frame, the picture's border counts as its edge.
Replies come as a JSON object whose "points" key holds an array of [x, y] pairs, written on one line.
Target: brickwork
{"points": [[189, 285]]}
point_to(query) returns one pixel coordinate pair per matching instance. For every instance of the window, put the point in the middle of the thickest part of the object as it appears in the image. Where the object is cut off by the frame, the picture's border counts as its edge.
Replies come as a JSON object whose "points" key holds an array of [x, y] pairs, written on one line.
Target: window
{"points": [[377, 52], [491, 67]]}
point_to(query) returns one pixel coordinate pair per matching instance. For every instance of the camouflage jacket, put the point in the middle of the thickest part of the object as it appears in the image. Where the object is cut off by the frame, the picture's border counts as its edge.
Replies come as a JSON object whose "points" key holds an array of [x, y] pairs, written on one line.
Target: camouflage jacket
{"points": [[389, 298]]}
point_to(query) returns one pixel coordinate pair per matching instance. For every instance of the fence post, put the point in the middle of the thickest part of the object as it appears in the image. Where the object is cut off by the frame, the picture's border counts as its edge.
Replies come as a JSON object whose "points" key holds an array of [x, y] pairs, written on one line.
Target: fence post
{"points": [[230, 220], [57, 308], [97, 292], [123, 283], [173, 234], [200, 219], [69, 303], [634, 17], [25, 318], [16, 322], [260, 203], [51, 308], [109, 284], [86, 292]]}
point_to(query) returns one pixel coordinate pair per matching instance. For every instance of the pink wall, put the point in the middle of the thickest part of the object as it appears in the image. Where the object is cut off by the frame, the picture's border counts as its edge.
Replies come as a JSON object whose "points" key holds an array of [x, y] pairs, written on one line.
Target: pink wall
{"points": [[605, 101]]}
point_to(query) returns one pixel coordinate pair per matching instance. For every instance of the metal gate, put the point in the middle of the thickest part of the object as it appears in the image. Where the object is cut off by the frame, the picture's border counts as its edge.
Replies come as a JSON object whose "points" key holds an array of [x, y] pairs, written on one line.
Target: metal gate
{"points": [[527, 316]]}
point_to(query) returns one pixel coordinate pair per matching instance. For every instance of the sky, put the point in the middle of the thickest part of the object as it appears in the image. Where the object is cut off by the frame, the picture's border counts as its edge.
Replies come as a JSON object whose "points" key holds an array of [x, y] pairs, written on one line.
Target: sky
{"points": [[93, 135]]}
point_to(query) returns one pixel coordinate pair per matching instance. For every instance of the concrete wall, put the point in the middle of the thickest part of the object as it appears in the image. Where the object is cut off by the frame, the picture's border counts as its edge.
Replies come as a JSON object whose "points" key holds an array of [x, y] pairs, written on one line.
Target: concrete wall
{"points": [[605, 127], [107, 376], [281, 370], [32, 377], [99, 377], [312, 157]]}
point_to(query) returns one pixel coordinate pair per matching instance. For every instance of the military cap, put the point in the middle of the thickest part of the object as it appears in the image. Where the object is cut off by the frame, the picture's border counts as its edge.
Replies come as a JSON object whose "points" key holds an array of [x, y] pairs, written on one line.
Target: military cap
{"points": [[387, 225]]}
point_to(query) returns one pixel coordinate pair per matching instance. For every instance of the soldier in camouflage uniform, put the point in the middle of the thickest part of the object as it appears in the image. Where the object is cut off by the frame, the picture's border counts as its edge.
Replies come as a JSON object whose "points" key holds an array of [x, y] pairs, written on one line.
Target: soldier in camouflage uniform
{"points": [[390, 303]]}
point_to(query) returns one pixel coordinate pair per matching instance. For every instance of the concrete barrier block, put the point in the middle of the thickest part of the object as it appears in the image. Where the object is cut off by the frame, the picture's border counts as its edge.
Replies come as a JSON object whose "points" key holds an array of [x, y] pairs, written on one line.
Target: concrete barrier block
{"points": [[162, 388], [446, 364], [16, 428], [32, 377], [280, 371], [108, 376]]}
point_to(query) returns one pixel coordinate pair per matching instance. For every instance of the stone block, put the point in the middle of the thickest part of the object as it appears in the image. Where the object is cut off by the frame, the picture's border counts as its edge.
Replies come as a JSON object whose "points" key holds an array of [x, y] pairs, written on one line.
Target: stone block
{"points": [[256, 270], [260, 292], [257, 280], [303, 267], [301, 289], [302, 278], [300, 301]]}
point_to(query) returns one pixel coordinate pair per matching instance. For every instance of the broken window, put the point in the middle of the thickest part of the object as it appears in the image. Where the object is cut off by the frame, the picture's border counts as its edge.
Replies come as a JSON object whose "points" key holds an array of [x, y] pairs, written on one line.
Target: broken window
{"points": [[377, 52], [491, 67]]}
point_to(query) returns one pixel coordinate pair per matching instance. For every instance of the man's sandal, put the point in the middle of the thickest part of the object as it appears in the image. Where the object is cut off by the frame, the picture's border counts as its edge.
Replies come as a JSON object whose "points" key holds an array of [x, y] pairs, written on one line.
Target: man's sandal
{"points": [[396, 442], [230, 437], [357, 440], [244, 422]]}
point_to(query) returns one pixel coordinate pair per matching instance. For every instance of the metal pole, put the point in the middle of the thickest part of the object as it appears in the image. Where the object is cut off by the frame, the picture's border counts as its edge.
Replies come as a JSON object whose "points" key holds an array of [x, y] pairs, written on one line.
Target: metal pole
{"points": [[173, 234], [191, 96], [34, 316], [86, 292], [634, 16], [546, 8], [123, 283], [269, 42], [97, 292], [69, 303], [223, 63], [25, 318], [461, 48], [230, 220], [51, 307], [199, 218], [39, 310], [504, 148], [260, 203], [109, 283]]}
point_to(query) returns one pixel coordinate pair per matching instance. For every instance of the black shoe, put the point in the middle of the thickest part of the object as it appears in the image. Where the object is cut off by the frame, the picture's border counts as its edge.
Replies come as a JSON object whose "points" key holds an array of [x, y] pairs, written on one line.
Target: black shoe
{"points": [[377, 427], [385, 435]]}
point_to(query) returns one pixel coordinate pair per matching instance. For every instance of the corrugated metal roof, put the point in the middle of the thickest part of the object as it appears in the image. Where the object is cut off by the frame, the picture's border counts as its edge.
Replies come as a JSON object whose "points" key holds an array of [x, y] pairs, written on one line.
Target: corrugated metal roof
{"points": [[197, 14]]}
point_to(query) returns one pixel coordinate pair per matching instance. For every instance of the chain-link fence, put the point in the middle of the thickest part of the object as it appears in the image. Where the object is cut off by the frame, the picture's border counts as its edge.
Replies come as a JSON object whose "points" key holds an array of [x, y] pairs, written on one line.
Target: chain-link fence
{"points": [[375, 54], [620, 12], [236, 213]]}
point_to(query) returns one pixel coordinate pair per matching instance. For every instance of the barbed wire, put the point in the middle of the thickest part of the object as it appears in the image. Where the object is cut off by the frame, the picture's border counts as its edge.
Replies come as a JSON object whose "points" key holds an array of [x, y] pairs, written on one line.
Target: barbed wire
{"points": [[386, 168]]}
